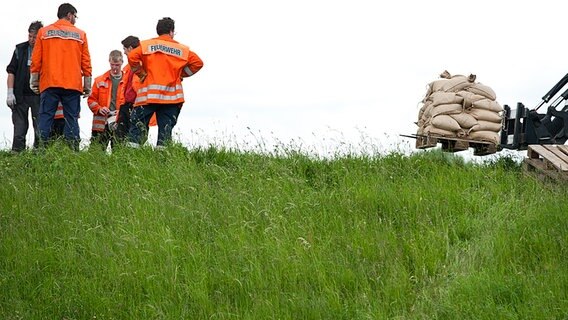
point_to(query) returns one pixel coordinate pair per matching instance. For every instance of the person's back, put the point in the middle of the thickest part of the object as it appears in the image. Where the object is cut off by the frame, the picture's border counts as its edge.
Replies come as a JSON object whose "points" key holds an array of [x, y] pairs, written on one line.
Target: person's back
{"points": [[160, 63], [61, 56], [131, 85], [165, 59]]}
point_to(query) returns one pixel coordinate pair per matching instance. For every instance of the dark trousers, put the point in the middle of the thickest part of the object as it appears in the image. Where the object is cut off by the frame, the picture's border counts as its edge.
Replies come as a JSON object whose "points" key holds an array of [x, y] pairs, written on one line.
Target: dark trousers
{"points": [[57, 129], [123, 124], [104, 138], [20, 119], [123, 121], [166, 115], [71, 101]]}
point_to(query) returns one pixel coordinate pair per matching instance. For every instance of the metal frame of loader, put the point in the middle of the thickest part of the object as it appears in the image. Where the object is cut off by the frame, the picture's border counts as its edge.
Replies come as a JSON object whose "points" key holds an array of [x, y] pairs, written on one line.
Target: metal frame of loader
{"points": [[523, 127]]}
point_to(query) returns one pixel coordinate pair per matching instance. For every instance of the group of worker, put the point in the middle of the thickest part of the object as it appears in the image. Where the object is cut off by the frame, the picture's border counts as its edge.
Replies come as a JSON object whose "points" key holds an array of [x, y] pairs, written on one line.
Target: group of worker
{"points": [[50, 72]]}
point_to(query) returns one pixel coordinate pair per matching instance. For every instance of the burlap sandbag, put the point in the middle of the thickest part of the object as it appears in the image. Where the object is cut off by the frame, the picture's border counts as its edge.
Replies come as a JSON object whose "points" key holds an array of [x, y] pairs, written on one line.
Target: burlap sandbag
{"points": [[456, 106], [447, 75], [486, 126], [445, 122], [488, 136], [431, 130], [465, 120], [451, 85], [425, 112], [486, 115], [428, 92], [441, 97], [420, 130], [420, 123], [454, 84], [423, 109], [443, 109], [487, 104], [483, 90], [469, 98]]}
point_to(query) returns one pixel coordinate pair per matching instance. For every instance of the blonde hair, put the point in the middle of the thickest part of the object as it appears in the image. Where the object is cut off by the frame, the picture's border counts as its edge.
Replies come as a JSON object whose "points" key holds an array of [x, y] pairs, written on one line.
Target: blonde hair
{"points": [[115, 55]]}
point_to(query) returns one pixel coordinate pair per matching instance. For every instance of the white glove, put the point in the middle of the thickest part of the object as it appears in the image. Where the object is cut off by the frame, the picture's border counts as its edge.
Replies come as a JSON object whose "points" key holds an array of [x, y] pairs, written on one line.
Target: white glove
{"points": [[11, 98], [111, 120], [34, 82], [87, 86]]}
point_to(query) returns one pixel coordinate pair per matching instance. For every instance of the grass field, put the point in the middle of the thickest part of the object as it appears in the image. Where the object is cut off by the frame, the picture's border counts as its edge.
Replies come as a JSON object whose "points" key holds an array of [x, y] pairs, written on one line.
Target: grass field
{"points": [[211, 233]]}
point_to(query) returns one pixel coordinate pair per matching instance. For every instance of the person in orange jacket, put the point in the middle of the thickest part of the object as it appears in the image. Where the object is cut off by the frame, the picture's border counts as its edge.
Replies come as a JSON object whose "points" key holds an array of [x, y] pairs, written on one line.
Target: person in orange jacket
{"points": [[59, 60], [107, 96], [160, 63], [130, 86]]}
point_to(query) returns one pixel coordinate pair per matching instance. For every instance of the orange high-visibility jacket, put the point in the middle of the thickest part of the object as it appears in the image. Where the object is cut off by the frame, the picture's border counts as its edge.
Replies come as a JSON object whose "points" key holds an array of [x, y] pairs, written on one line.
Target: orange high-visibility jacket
{"points": [[100, 97], [126, 71], [165, 61], [130, 91], [61, 56]]}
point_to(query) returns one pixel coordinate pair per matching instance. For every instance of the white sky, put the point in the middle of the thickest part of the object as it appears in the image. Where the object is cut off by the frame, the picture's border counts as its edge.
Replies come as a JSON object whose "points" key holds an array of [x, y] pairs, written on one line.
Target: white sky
{"points": [[321, 73]]}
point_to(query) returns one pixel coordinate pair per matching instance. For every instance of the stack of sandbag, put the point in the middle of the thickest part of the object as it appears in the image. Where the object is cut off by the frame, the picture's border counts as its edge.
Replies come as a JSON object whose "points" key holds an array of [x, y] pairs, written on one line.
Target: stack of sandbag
{"points": [[457, 106]]}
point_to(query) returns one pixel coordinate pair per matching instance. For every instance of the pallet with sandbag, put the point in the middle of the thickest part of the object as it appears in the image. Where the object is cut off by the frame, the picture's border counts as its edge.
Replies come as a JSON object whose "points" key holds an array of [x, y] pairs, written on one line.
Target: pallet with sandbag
{"points": [[547, 161], [451, 144], [459, 113]]}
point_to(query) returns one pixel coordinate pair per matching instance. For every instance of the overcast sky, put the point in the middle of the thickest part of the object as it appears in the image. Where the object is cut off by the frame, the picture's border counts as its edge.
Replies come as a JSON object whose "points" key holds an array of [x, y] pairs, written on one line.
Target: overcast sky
{"points": [[321, 73]]}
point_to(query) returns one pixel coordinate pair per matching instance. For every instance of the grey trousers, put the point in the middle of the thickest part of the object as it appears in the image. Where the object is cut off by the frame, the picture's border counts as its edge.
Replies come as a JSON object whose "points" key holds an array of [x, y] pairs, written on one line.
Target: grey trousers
{"points": [[20, 119]]}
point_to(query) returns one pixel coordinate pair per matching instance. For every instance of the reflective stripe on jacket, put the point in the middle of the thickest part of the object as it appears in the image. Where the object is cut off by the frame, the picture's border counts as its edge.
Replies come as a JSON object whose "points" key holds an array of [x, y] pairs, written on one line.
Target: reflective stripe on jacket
{"points": [[131, 83], [61, 56], [100, 97], [165, 61]]}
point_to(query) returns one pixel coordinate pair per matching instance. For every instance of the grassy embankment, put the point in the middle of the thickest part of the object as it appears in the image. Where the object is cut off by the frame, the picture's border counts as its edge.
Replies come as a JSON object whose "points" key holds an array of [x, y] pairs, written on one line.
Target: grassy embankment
{"points": [[221, 234]]}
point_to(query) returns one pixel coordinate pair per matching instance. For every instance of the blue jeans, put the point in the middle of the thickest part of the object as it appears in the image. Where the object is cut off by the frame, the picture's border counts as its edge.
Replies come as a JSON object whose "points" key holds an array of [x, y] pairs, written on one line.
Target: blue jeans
{"points": [[57, 129], [71, 101], [166, 115]]}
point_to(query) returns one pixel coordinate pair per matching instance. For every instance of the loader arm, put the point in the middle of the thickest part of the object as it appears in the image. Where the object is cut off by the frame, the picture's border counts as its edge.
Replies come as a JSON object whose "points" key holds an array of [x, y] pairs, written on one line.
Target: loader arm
{"points": [[552, 92]]}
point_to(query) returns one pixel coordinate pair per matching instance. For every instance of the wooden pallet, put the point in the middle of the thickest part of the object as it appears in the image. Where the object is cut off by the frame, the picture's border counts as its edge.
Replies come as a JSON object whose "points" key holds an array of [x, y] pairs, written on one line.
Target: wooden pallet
{"points": [[480, 148], [547, 161]]}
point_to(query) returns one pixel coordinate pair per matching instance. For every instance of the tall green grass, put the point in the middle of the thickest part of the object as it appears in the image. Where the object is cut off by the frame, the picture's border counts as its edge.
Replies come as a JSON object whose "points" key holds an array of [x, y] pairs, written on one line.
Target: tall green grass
{"points": [[212, 233]]}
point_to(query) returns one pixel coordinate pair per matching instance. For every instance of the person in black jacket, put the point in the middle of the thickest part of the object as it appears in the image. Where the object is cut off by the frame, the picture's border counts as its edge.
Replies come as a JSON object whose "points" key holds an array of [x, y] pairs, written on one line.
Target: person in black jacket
{"points": [[20, 98]]}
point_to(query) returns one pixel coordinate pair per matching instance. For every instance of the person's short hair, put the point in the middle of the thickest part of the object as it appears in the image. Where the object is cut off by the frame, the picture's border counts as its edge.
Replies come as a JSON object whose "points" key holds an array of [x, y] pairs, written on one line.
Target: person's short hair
{"points": [[35, 26], [165, 26], [115, 55], [64, 9], [131, 41]]}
